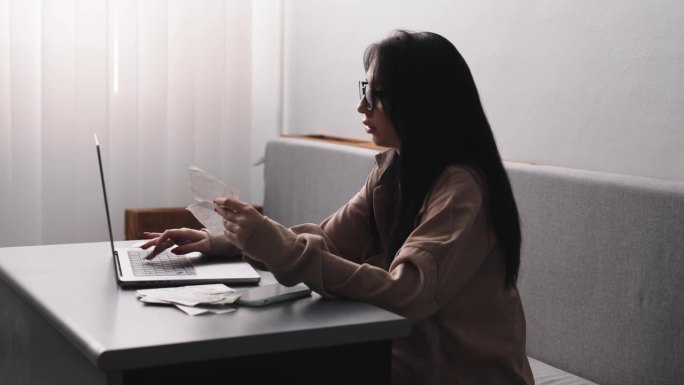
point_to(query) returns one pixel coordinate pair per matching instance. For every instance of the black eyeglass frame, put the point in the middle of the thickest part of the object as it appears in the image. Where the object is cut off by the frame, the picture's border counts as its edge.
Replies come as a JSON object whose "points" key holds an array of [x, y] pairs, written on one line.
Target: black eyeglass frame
{"points": [[365, 91]]}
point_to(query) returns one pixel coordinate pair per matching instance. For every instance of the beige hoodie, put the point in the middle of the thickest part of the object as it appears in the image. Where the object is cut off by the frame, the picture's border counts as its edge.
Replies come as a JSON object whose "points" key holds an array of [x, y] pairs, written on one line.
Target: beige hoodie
{"points": [[448, 278]]}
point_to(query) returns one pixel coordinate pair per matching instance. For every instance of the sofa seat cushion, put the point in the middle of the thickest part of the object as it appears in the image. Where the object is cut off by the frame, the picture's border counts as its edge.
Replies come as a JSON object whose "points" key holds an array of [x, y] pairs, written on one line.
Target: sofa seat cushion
{"points": [[548, 375]]}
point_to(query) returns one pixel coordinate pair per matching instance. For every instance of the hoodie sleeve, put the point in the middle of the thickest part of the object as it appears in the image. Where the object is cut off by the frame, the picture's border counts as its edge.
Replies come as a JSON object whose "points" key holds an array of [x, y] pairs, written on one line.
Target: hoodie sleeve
{"points": [[445, 249]]}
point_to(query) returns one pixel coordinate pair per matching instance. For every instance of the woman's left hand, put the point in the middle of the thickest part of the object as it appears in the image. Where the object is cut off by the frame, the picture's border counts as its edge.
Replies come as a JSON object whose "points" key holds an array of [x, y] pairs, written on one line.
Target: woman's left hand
{"points": [[240, 219]]}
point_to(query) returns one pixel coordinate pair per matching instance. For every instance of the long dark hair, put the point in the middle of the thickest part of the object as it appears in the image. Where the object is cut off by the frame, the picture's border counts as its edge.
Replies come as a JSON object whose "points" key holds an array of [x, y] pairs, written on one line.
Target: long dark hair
{"points": [[430, 97]]}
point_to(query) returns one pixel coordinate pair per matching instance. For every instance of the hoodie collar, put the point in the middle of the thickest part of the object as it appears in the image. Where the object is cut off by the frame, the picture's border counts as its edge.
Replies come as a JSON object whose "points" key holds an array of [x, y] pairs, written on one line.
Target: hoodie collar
{"points": [[384, 159]]}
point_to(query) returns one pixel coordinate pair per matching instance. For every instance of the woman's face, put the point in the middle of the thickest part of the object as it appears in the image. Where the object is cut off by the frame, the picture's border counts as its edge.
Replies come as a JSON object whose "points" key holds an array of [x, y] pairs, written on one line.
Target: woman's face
{"points": [[376, 121]]}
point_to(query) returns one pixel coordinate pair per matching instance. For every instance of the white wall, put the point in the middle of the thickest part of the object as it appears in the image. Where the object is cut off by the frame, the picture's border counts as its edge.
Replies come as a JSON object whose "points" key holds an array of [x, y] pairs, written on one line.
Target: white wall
{"points": [[594, 85], [266, 87]]}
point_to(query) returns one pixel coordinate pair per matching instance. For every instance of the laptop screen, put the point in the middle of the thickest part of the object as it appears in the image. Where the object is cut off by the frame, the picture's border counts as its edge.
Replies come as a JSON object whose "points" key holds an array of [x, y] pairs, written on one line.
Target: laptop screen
{"points": [[104, 191]]}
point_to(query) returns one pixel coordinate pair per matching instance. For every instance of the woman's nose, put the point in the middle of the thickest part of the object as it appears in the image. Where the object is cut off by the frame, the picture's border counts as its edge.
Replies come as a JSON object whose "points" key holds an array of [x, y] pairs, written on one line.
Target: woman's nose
{"points": [[362, 107]]}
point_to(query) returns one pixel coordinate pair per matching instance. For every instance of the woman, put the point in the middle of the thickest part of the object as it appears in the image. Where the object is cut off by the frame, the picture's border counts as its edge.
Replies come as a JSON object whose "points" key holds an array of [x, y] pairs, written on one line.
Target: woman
{"points": [[433, 235]]}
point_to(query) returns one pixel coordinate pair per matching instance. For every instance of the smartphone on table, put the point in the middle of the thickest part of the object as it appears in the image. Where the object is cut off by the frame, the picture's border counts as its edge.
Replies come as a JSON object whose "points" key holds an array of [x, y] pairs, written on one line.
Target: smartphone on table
{"points": [[272, 293]]}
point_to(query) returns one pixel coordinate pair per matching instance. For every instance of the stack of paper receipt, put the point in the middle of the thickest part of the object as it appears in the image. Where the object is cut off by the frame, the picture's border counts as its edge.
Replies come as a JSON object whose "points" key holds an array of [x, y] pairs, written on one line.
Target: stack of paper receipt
{"points": [[205, 188], [195, 299]]}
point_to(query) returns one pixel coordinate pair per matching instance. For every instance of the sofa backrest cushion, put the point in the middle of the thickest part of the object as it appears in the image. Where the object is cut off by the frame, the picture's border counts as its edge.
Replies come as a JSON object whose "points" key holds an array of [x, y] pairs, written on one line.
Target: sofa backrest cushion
{"points": [[602, 273], [307, 180]]}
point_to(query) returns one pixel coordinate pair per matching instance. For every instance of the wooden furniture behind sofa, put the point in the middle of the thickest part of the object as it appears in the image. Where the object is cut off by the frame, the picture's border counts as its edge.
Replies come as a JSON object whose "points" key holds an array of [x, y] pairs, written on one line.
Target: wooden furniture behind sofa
{"points": [[138, 221]]}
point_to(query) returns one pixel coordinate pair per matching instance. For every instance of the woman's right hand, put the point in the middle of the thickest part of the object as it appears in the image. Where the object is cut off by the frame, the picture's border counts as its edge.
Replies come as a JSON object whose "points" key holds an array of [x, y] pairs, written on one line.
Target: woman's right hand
{"points": [[187, 241]]}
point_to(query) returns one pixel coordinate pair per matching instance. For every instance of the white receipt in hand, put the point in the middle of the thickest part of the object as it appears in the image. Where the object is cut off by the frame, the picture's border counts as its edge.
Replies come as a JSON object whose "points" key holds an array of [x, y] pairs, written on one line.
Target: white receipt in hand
{"points": [[205, 188]]}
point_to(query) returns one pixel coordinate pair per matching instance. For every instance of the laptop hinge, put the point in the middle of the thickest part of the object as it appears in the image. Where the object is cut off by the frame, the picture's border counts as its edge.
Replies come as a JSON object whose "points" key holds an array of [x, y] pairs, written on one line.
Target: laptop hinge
{"points": [[117, 264]]}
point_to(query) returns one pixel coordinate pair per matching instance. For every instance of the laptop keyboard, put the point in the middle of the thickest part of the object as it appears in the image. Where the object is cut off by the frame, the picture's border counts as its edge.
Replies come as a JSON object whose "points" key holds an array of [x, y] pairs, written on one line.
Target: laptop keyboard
{"points": [[164, 264]]}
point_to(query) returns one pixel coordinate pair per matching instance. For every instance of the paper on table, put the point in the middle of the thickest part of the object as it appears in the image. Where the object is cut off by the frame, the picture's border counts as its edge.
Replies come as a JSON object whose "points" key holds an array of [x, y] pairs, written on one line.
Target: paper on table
{"points": [[187, 295], [205, 188], [197, 310], [189, 310], [219, 307], [195, 299]]}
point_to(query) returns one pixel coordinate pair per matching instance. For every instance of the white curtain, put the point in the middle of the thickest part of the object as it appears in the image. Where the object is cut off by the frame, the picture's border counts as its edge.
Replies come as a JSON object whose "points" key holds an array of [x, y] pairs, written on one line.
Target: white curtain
{"points": [[165, 84]]}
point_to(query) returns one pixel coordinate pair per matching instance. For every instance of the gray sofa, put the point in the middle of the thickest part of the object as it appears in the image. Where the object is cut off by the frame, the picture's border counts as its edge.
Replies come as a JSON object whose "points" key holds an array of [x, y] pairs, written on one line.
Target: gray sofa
{"points": [[602, 264]]}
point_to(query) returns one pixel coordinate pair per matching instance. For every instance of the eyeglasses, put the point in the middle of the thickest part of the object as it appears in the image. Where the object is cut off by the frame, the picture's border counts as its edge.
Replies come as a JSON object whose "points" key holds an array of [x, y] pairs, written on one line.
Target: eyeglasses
{"points": [[366, 91]]}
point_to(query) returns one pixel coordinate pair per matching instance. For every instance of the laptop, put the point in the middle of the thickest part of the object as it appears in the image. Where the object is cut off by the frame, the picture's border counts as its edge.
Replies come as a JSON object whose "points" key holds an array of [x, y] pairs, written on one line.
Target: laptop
{"points": [[168, 269]]}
